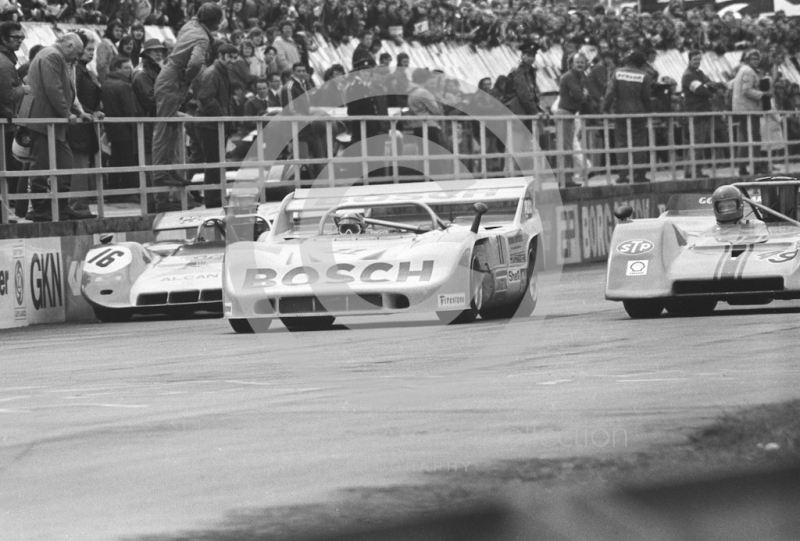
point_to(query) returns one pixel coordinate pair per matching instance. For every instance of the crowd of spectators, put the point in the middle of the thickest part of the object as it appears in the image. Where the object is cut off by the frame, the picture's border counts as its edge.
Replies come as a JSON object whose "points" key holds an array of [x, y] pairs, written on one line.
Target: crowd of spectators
{"points": [[244, 58]]}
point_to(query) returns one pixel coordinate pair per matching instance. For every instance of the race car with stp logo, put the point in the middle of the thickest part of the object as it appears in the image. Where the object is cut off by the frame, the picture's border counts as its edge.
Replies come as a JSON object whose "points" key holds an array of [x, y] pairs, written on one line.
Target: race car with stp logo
{"points": [[458, 249], [178, 274], [727, 247]]}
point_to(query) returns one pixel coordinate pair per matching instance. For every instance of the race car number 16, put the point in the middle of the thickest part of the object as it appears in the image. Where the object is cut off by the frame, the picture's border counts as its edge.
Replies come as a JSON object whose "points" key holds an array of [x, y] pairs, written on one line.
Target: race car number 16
{"points": [[107, 259]]}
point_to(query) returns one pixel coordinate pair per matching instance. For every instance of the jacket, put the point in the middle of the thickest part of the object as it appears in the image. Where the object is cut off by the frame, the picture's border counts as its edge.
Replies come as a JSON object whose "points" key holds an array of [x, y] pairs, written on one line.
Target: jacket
{"points": [[746, 96], [294, 98], [144, 81], [525, 100], [597, 84], [213, 93], [104, 55], [119, 101], [52, 92], [11, 92], [629, 91], [570, 91], [696, 93], [288, 53], [189, 54]]}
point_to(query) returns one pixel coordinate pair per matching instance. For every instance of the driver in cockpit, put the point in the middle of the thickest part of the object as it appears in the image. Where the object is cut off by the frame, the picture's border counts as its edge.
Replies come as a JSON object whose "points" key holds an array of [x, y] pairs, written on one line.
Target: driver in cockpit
{"points": [[352, 223], [728, 205]]}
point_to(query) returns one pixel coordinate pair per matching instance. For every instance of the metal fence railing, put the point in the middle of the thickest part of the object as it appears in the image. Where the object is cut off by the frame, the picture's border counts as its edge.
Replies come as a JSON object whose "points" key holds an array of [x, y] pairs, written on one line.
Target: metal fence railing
{"points": [[303, 151]]}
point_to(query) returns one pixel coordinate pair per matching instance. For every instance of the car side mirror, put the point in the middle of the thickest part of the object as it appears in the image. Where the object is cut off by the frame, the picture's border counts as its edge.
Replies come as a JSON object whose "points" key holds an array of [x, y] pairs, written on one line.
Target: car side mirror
{"points": [[480, 210], [623, 213]]}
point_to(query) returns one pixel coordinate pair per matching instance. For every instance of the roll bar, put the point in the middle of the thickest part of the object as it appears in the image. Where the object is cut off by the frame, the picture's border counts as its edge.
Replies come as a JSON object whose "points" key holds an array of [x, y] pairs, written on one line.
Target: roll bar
{"points": [[434, 218]]}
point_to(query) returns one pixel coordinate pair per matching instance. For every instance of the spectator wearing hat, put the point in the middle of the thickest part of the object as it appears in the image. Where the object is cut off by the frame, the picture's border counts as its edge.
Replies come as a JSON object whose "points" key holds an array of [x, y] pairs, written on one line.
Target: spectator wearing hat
{"points": [[746, 104], [144, 81], [214, 99], [629, 92], [525, 95], [288, 53], [172, 87], [12, 90]]}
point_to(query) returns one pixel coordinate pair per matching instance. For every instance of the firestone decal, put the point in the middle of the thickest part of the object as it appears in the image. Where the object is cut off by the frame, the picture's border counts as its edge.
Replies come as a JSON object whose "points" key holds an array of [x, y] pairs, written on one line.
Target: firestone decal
{"points": [[456, 300], [634, 247]]}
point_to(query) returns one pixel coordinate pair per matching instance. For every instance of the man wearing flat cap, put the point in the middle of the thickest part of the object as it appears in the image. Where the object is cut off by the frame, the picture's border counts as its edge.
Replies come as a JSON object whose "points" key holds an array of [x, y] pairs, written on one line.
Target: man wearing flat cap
{"points": [[144, 81], [525, 100]]}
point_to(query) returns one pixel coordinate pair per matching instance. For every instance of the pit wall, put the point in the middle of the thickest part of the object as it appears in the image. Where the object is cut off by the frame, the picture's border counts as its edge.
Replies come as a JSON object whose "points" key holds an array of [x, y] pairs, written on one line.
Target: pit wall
{"points": [[41, 264]]}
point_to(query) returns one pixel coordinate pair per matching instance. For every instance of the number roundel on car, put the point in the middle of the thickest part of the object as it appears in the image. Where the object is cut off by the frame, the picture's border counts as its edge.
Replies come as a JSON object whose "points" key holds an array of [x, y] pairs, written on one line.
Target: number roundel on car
{"points": [[635, 247], [107, 259]]}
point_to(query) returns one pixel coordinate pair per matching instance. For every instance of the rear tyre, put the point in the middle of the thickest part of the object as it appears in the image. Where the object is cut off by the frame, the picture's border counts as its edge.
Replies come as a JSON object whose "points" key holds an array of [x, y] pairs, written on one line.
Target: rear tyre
{"points": [[313, 323], [691, 307], [111, 315], [476, 299], [643, 308], [525, 305]]}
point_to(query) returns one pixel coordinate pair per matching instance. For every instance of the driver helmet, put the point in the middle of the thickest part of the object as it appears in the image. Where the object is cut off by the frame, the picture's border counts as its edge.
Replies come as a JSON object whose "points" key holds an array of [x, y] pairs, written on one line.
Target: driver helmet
{"points": [[352, 223], [728, 204]]}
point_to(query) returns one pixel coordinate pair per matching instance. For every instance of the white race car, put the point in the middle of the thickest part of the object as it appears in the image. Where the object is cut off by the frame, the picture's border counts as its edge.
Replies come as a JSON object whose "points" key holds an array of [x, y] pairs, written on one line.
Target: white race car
{"points": [[456, 248], [178, 274]]}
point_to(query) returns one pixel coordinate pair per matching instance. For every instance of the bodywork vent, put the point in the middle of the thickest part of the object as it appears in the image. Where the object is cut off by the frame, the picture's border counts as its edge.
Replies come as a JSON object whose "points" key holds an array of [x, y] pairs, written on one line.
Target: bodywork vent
{"points": [[729, 286], [329, 303]]}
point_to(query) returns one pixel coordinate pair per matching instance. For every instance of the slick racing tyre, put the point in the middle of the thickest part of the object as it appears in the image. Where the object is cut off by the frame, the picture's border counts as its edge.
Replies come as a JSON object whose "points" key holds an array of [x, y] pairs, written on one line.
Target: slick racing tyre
{"points": [[111, 315], [643, 308], [249, 326], [525, 305], [476, 299], [691, 307], [313, 323]]}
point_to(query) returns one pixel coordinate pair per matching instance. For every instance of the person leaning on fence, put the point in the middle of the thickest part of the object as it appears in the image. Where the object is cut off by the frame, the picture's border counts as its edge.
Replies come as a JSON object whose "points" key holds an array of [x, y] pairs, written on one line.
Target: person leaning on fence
{"points": [[572, 95], [746, 104], [213, 100], [629, 92], [522, 92], [82, 137], [12, 90], [697, 92], [421, 102], [119, 101], [53, 96], [171, 89], [144, 81]]}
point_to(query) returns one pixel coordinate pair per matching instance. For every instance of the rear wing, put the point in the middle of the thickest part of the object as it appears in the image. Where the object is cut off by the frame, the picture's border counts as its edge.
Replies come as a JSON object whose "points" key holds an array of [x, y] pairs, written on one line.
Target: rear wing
{"points": [[431, 193]]}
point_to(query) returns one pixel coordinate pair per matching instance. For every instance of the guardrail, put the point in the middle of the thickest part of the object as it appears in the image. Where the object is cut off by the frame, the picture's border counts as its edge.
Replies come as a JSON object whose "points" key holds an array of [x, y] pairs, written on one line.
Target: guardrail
{"points": [[494, 146]]}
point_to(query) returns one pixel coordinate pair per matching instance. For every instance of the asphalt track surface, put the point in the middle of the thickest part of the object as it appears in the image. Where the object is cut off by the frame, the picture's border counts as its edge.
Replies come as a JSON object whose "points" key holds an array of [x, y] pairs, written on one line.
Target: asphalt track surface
{"points": [[155, 427]]}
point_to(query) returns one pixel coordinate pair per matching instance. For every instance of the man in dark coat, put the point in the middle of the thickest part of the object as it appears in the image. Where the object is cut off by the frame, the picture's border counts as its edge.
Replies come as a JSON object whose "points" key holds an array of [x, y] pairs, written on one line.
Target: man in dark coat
{"points": [[120, 101], [52, 96], [11, 93], [214, 99], [697, 92], [144, 80], [629, 92]]}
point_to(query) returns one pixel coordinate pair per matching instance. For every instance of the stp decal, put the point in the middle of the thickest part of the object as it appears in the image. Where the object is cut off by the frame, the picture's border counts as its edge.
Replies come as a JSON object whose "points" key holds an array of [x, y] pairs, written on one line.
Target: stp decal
{"points": [[636, 268], [634, 247]]}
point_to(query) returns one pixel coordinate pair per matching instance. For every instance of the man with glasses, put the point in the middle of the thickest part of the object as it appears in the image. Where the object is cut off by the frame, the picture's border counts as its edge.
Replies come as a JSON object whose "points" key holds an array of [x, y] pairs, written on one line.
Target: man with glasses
{"points": [[11, 93]]}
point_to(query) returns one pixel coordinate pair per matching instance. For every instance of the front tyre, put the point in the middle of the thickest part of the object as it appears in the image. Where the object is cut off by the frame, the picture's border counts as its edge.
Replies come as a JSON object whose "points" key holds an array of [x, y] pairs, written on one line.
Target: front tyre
{"points": [[476, 299], [643, 308], [313, 323], [525, 305], [111, 315]]}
